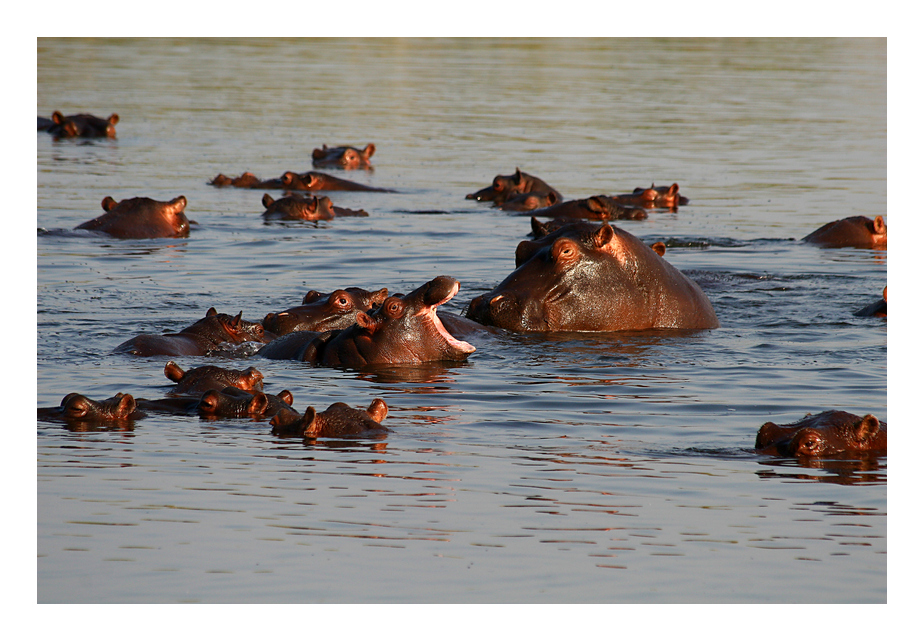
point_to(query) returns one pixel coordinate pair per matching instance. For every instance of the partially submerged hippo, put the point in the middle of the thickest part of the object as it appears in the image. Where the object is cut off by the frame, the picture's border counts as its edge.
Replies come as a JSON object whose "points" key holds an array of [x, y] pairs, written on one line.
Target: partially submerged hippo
{"points": [[302, 208], [204, 336], [141, 218], [829, 433], [77, 408], [338, 420], [211, 377], [316, 181], [856, 231], [503, 188], [404, 329], [540, 230], [650, 197], [594, 208], [79, 126], [875, 309], [322, 312], [247, 181], [581, 277], [344, 157], [530, 200], [232, 402]]}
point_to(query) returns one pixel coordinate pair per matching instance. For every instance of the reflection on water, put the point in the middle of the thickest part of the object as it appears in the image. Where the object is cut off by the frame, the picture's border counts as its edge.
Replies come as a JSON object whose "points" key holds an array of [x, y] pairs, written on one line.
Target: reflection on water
{"points": [[546, 468]]}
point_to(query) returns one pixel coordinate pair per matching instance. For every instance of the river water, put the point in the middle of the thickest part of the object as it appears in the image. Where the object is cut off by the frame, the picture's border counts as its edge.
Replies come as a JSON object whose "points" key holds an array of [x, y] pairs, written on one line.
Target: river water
{"points": [[560, 468]]}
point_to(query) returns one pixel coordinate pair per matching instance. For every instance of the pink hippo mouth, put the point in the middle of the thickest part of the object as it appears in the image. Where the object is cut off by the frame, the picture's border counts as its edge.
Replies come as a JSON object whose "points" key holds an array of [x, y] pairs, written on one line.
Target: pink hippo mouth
{"points": [[428, 312]]}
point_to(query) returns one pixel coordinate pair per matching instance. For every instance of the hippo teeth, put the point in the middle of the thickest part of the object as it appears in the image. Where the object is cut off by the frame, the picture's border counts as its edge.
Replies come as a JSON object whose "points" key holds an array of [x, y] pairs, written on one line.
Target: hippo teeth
{"points": [[430, 313]]}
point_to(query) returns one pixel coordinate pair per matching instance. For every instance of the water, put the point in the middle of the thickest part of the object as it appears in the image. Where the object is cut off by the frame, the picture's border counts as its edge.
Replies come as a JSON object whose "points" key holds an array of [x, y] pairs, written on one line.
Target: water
{"points": [[560, 468]]}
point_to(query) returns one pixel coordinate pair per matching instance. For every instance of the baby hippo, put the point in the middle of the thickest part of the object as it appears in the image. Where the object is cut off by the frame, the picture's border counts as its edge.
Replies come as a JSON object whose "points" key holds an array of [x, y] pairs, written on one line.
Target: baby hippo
{"points": [[141, 218], [79, 126], [211, 377], [826, 434], [338, 420], [232, 402], [343, 157], [77, 408]]}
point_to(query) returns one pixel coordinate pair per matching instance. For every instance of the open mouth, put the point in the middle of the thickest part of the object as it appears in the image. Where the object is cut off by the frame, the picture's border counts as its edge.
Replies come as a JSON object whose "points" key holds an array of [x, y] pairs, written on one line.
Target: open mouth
{"points": [[429, 312]]}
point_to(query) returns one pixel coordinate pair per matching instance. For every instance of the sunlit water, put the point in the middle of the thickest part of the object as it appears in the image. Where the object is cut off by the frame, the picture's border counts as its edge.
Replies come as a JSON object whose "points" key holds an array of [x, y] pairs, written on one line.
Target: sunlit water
{"points": [[567, 468]]}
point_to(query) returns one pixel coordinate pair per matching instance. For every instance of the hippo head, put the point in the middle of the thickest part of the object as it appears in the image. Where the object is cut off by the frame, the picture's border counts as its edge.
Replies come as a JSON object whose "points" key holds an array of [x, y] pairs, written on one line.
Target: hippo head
{"points": [[298, 208], [319, 313], [83, 125], [212, 377], [345, 157], [233, 402], [826, 434], [77, 407], [502, 187], [659, 196], [531, 200], [338, 420]]}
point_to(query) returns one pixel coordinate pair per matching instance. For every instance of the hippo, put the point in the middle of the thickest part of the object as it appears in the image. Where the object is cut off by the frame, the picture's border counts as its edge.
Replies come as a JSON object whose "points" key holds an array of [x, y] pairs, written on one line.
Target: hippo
{"points": [[667, 197], [290, 346], [211, 377], [141, 218], [201, 338], [316, 181], [505, 187], [829, 433], [232, 402], [530, 200], [343, 157], [404, 329], [77, 408], [247, 181], [322, 312], [301, 208], [540, 229], [79, 126], [338, 420], [877, 309], [594, 208], [856, 231], [585, 278]]}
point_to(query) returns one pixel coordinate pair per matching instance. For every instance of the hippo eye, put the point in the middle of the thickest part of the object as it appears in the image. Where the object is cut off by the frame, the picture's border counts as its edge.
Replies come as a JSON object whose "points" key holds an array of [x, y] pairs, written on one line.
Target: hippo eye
{"points": [[393, 308]]}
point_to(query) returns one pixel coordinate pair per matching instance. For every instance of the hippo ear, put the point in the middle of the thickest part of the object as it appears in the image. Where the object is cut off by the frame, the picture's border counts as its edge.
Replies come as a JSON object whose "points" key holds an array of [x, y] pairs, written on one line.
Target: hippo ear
{"points": [[607, 240], [675, 188], [369, 150], [378, 297], [365, 321], [211, 312], [174, 372], [884, 293], [312, 296], [310, 422], [537, 227], [267, 200], [254, 376], [57, 117], [126, 405], [378, 410], [553, 198], [114, 119], [235, 322], [286, 396], [867, 428], [209, 401], [109, 203], [258, 404], [879, 225], [595, 204], [313, 203], [659, 248]]}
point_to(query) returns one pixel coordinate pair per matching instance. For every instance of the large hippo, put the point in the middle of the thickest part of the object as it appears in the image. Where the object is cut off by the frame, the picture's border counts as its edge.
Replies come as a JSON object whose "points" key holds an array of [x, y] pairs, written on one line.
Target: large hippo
{"points": [[338, 420], [581, 277], [141, 218], [322, 312], [77, 408], [650, 197], [503, 188], [856, 231], [316, 181], [404, 329], [211, 377], [875, 309], [343, 157], [594, 208], [302, 208], [204, 336], [829, 433], [232, 402], [79, 126]]}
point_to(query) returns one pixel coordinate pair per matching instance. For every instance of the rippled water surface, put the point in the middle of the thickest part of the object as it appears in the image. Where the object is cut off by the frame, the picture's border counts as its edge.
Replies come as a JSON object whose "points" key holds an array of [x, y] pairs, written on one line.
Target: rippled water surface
{"points": [[566, 468]]}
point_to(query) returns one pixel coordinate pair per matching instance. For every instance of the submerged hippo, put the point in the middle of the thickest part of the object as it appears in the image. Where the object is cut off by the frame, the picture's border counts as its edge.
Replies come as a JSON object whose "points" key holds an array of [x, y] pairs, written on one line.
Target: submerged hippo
{"points": [[668, 197], [247, 181], [302, 208], [826, 434], [594, 208], [316, 181], [582, 277], [77, 408], [232, 402], [322, 312], [344, 157], [856, 231], [530, 200], [338, 420], [875, 309], [199, 339], [211, 377], [404, 329], [141, 218], [79, 126], [503, 188]]}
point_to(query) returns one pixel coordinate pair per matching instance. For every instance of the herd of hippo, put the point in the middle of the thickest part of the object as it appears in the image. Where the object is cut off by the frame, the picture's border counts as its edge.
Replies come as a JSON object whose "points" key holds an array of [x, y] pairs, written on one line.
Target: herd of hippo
{"points": [[574, 276]]}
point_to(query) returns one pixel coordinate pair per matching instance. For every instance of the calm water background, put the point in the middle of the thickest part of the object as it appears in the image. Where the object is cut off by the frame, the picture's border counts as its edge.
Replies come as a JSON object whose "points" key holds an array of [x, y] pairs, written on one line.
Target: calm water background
{"points": [[565, 468]]}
